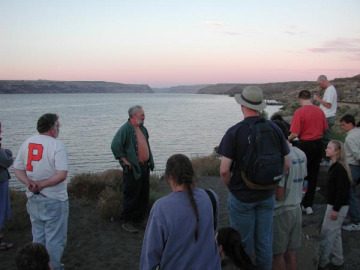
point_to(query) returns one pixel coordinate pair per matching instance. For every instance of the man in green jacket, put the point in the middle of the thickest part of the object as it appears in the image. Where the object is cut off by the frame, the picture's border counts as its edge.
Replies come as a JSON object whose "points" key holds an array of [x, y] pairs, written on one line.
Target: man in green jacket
{"points": [[131, 147]]}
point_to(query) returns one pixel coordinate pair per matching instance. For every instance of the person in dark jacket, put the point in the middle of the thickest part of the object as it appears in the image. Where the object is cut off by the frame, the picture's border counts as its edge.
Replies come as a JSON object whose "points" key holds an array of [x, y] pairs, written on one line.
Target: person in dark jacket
{"points": [[6, 160], [131, 148], [338, 186]]}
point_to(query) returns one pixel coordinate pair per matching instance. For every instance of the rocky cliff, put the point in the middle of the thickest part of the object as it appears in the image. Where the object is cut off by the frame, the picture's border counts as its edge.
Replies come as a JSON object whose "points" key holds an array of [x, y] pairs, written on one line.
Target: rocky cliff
{"points": [[348, 89], [45, 86]]}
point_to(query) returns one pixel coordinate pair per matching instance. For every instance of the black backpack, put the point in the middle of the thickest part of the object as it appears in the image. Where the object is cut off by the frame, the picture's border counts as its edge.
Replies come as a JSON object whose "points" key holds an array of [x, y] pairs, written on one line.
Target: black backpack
{"points": [[263, 162]]}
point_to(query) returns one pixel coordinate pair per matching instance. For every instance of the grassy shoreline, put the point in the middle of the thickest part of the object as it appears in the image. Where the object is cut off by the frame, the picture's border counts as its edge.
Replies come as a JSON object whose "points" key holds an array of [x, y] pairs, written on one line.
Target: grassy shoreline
{"points": [[103, 190]]}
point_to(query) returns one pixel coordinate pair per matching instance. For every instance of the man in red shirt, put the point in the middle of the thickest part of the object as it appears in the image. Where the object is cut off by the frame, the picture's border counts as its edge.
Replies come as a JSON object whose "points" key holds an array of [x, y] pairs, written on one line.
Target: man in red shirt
{"points": [[308, 125]]}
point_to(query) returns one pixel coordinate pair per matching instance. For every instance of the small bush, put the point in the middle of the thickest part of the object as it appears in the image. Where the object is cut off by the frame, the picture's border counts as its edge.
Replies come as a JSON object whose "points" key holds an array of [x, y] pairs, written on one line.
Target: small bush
{"points": [[113, 178], [86, 185], [206, 166], [337, 133], [110, 203], [90, 185], [105, 188], [345, 109], [155, 181]]}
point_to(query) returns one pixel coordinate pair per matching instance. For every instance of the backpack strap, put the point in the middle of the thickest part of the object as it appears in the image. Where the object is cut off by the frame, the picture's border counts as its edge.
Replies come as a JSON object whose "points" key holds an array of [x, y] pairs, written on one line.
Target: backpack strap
{"points": [[213, 202], [240, 155]]}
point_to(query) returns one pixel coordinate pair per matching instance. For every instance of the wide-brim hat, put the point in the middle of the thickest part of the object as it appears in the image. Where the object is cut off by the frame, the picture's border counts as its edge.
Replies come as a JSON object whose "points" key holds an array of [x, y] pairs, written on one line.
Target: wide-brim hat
{"points": [[251, 97]]}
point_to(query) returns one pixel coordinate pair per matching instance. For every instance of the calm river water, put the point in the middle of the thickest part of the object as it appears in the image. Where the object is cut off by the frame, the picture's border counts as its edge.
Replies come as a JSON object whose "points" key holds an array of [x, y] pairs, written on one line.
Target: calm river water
{"points": [[177, 123]]}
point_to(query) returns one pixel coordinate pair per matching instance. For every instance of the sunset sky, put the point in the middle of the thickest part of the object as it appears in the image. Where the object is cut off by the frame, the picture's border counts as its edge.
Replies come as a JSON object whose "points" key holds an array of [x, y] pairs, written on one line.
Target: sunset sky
{"points": [[168, 43]]}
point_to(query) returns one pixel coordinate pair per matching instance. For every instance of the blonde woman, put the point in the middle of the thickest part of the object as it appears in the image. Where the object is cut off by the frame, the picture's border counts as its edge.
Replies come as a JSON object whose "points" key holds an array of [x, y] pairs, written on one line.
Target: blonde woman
{"points": [[338, 186]]}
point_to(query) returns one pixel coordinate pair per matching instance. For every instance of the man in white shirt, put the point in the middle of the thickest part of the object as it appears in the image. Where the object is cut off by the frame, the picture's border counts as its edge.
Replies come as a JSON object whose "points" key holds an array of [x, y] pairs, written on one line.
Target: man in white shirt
{"points": [[352, 153], [41, 165], [328, 104]]}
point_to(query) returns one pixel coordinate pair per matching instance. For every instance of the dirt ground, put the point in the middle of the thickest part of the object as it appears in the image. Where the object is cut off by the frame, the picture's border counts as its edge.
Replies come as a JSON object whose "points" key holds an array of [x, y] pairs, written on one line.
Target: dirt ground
{"points": [[95, 243]]}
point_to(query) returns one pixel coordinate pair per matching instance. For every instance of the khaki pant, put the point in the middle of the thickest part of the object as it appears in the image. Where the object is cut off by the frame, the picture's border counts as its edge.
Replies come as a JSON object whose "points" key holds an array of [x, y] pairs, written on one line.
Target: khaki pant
{"points": [[330, 238]]}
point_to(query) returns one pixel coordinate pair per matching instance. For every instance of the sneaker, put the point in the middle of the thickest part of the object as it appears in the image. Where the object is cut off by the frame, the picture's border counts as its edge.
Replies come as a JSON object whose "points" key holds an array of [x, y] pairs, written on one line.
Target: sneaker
{"points": [[5, 246], [129, 228], [351, 227], [307, 210]]}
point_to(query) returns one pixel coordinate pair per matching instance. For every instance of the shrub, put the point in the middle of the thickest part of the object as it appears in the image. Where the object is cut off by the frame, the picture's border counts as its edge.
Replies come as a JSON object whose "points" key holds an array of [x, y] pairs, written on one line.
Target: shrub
{"points": [[206, 166], [156, 181], [110, 203], [90, 185], [345, 109], [105, 188], [289, 108], [337, 133], [113, 178], [86, 185]]}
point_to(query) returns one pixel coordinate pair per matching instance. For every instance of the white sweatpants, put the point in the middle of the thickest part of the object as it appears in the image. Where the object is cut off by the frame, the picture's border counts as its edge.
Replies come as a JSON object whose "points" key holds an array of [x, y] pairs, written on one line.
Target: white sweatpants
{"points": [[330, 237]]}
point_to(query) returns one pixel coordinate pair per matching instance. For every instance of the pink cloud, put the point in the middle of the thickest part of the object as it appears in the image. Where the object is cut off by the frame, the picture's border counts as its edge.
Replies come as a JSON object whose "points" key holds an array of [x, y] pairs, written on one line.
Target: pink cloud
{"points": [[347, 45]]}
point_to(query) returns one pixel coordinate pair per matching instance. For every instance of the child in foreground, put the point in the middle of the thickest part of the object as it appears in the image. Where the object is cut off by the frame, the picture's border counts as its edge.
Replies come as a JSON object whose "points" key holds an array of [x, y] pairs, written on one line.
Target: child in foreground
{"points": [[338, 186], [231, 250], [32, 256]]}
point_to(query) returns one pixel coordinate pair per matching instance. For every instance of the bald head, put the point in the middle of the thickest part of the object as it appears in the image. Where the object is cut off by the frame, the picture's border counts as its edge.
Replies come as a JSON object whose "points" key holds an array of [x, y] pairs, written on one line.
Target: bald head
{"points": [[323, 82], [322, 78]]}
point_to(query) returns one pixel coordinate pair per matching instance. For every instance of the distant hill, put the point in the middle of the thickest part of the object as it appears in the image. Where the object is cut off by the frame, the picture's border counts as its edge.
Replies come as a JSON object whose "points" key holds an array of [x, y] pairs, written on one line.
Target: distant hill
{"points": [[181, 89], [45, 86], [348, 89]]}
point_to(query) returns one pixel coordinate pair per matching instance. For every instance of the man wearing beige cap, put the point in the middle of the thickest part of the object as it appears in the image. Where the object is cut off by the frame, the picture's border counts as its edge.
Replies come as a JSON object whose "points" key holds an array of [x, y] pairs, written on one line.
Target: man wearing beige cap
{"points": [[250, 210]]}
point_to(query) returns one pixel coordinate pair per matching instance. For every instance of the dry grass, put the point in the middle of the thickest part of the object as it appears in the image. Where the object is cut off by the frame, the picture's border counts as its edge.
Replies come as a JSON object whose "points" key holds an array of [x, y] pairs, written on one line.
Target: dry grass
{"points": [[110, 204], [90, 185], [105, 189], [206, 166]]}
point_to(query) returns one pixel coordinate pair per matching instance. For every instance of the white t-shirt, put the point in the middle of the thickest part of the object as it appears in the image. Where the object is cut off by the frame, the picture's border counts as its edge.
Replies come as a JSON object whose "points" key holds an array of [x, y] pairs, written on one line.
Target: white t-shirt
{"points": [[41, 156], [330, 96]]}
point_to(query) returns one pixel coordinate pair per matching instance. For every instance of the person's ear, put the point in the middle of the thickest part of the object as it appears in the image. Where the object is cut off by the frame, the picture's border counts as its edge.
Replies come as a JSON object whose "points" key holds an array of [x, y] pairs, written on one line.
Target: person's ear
{"points": [[171, 182]]}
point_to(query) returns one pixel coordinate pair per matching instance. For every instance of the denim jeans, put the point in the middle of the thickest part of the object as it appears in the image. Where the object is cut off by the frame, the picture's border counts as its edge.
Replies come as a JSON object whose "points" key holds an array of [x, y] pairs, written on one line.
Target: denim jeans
{"points": [[327, 134], [254, 221], [49, 221], [354, 209]]}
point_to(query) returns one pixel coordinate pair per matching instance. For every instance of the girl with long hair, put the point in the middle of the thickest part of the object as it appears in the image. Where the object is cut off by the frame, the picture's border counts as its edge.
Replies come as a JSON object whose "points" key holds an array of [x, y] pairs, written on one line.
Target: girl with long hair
{"points": [[180, 230], [338, 186]]}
